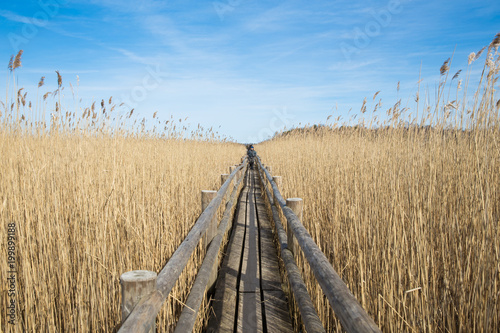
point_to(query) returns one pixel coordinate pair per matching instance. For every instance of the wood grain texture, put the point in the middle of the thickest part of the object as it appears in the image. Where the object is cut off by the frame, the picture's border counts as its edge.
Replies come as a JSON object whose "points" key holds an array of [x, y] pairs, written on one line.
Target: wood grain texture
{"points": [[224, 303], [276, 308], [257, 288]]}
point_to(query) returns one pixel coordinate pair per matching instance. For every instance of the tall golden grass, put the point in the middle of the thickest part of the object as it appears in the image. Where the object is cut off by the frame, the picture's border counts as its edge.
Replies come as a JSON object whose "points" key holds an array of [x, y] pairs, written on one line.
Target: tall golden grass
{"points": [[94, 195], [407, 211]]}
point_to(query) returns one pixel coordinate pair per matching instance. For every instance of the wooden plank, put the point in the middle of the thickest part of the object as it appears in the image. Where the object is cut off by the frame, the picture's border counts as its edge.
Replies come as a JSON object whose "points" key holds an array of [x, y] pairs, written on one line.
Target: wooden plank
{"points": [[275, 303], [224, 303], [276, 311], [271, 279], [249, 312], [250, 271], [256, 307], [250, 307]]}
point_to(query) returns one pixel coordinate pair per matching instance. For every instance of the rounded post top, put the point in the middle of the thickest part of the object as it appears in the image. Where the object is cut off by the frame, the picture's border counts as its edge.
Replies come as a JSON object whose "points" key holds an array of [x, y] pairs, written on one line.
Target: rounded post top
{"points": [[296, 205], [206, 197], [138, 276], [223, 178]]}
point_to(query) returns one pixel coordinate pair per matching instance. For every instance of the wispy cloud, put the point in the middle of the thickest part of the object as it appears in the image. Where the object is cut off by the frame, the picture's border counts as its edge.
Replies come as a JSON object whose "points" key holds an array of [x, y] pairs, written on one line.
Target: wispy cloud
{"points": [[354, 65], [277, 18], [134, 57], [77, 71], [127, 6], [11, 16]]}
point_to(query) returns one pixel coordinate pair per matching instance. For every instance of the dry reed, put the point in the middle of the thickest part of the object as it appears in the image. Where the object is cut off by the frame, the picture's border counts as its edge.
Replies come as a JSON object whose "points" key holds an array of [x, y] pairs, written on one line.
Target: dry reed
{"points": [[92, 196], [408, 212]]}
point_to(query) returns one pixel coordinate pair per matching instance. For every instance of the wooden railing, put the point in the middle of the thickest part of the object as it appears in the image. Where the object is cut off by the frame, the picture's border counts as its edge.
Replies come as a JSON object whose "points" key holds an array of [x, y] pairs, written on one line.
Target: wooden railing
{"points": [[156, 289], [142, 318], [351, 315]]}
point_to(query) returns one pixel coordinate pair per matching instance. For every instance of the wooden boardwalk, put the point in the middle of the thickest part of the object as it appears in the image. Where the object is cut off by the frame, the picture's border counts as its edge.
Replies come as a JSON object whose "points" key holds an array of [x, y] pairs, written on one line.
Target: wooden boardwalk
{"points": [[248, 295]]}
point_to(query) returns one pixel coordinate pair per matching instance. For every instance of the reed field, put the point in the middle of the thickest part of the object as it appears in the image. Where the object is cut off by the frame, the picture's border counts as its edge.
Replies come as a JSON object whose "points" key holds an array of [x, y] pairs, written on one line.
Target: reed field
{"points": [[407, 211], [91, 199]]}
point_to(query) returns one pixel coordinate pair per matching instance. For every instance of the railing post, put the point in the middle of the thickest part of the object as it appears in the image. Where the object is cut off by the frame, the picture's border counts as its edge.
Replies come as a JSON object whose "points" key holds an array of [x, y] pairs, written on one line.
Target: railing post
{"points": [[277, 180], [135, 285], [231, 169], [297, 206], [206, 197], [223, 178], [239, 174]]}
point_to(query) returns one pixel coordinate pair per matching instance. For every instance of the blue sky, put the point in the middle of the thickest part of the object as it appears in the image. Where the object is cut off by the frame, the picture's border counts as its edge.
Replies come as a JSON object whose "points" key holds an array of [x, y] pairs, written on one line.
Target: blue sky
{"points": [[250, 67]]}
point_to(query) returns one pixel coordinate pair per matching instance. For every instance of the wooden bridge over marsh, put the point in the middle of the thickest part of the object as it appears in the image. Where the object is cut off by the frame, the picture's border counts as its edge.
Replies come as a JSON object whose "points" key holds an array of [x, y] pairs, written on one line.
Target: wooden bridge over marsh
{"points": [[246, 289]]}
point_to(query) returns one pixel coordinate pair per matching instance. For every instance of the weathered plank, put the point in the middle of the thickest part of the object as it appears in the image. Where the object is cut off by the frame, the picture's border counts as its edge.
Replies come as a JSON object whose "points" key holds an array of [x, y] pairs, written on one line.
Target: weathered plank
{"points": [[276, 310], [224, 302], [271, 279], [250, 312], [250, 307], [261, 303], [250, 277]]}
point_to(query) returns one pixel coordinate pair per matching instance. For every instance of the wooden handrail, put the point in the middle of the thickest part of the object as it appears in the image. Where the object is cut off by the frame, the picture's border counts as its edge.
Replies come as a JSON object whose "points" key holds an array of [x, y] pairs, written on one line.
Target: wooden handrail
{"points": [[310, 317], [190, 311], [351, 314], [146, 310]]}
